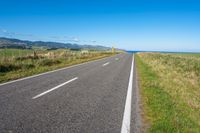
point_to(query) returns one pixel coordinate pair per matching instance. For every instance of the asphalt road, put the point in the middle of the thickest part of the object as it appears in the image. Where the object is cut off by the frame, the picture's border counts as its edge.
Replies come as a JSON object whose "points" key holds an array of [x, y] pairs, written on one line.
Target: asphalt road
{"points": [[87, 98]]}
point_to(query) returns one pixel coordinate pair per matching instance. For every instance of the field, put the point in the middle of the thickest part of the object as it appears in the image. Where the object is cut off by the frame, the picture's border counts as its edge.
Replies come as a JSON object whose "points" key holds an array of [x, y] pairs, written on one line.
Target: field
{"points": [[170, 91], [18, 63]]}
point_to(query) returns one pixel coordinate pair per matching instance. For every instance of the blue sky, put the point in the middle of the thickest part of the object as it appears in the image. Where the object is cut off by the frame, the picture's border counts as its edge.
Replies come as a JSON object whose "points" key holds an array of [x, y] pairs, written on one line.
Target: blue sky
{"points": [[169, 25]]}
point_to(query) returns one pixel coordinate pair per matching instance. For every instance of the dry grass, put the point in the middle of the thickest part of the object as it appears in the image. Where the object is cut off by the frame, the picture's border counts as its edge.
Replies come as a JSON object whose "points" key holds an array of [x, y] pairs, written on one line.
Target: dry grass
{"points": [[179, 76], [16, 63]]}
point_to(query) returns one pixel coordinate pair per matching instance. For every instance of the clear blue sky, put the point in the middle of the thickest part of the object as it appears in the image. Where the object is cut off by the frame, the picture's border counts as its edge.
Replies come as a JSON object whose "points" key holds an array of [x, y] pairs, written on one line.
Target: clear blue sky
{"points": [[133, 25]]}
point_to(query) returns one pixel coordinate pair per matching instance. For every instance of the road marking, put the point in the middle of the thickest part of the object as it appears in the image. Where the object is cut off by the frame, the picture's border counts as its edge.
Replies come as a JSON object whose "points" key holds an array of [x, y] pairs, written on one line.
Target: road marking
{"points": [[127, 111], [37, 75], [106, 64], [41, 94]]}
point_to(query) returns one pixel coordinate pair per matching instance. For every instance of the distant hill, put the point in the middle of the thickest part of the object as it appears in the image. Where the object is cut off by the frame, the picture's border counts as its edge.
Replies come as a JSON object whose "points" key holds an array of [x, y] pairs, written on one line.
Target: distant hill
{"points": [[24, 44]]}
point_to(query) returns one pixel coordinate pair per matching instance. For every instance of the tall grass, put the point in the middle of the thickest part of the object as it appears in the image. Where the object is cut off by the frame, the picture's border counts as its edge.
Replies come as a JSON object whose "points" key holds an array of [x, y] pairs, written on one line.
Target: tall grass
{"points": [[170, 86], [14, 65]]}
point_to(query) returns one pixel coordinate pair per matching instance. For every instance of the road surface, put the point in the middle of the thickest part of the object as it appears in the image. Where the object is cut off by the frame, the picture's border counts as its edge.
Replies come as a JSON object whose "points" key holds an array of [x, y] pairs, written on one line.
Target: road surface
{"points": [[96, 97]]}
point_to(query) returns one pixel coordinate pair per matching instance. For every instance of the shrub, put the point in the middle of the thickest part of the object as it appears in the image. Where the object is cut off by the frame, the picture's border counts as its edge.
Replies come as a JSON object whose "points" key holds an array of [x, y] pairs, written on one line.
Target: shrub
{"points": [[28, 66], [9, 67], [49, 62], [27, 57]]}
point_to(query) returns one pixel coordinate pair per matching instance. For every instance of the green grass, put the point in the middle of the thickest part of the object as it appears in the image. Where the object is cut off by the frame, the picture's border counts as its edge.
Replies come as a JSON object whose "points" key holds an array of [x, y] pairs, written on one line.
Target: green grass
{"points": [[165, 110], [14, 66], [14, 52], [189, 54]]}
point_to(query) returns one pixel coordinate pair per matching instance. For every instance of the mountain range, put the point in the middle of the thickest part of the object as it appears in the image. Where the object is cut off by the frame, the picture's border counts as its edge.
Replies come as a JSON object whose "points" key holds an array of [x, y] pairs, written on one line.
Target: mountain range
{"points": [[25, 44]]}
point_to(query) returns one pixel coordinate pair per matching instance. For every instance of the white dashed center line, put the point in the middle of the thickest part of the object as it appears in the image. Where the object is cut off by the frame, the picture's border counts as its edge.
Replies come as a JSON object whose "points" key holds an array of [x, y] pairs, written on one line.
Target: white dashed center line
{"points": [[41, 94], [106, 64]]}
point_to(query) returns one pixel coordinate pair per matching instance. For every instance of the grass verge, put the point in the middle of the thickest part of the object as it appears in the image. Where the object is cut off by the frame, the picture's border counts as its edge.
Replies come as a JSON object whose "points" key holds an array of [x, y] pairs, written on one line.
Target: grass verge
{"points": [[15, 68], [163, 112]]}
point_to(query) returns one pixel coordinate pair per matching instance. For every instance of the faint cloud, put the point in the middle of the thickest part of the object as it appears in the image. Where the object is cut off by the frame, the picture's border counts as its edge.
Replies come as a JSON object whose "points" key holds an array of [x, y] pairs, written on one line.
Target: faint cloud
{"points": [[53, 38], [75, 39], [4, 31], [93, 41], [64, 38], [7, 33], [13, 34]]}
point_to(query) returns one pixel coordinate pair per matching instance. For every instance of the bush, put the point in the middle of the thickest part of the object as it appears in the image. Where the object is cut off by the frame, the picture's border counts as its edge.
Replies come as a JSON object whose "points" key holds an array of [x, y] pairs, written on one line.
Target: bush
{"points": [[49, 62], [9, 67], [27, 57], [28, 66]]}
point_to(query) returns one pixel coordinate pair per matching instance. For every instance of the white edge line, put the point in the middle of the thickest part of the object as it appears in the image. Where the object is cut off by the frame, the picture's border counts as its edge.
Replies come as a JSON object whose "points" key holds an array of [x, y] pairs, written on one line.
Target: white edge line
{"points": [[43, 93], [127, 111], [106, 64], [53, 71]]}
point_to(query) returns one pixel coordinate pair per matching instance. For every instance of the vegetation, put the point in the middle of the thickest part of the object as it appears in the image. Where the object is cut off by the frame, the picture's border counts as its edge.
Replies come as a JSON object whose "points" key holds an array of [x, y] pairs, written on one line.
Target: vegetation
{"points": [[17, 63], [22, 44], [170, 89]]}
